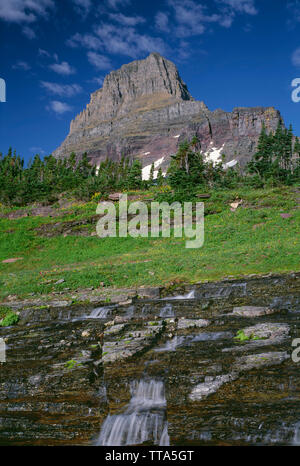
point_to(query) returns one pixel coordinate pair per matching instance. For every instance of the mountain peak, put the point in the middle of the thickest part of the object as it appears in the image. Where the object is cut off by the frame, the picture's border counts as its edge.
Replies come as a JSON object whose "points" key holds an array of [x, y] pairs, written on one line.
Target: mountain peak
{"points": [[145, 110], [154, 74], [139, 84]]}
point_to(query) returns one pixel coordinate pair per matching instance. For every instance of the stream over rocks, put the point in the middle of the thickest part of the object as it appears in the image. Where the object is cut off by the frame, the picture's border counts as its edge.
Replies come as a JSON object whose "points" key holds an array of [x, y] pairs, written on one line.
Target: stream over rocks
{"points": [[210, 366], [144, 419]]}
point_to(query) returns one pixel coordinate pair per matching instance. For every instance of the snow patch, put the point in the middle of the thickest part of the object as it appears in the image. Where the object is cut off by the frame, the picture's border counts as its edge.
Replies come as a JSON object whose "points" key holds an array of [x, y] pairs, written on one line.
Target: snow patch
{"points": [[231, 164], [146, 170], [214, 154], [176, 137]]}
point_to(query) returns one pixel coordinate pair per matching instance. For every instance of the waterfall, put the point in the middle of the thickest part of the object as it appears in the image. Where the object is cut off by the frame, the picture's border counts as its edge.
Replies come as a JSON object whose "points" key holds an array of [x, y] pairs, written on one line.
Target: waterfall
{"points": [[190, 295], [167, 311], [100, 312], [296, 440], [171, 345], [143, 420]]}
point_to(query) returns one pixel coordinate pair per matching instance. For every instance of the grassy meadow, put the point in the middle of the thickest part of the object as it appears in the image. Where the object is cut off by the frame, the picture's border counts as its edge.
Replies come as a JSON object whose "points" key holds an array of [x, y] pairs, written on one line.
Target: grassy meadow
{"points": [[255, 239]]}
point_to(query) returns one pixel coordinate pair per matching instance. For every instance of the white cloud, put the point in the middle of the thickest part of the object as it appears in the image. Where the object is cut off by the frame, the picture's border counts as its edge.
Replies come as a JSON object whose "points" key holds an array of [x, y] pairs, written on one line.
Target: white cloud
{"points": [[162, 22], [127, 41], [115, 4], [43, 53], [296, 57], [62, 68], [59, 107], [117, 39], [83, 7], [28, 32], [241, 6], [191, 17], [84, 40], [24, 11], [22, 65], [99, 61], [63, 90], [127, 20]]}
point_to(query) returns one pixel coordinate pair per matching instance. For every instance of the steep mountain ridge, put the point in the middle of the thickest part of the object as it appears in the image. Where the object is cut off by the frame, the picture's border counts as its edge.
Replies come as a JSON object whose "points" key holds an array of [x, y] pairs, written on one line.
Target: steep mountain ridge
{"points": [[144, 110]]}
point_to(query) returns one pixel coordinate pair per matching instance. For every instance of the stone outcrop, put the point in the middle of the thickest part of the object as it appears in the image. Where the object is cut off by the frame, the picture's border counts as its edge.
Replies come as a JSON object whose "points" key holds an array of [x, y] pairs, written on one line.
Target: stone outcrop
{"points": [[144, 110], [83, 375]]}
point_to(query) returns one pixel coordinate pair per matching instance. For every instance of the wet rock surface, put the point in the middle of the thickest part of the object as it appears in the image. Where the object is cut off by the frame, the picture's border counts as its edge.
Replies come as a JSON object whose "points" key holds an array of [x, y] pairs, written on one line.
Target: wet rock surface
{"points": [[190, 323], [171, 368], [252, 311], [261, 335]]}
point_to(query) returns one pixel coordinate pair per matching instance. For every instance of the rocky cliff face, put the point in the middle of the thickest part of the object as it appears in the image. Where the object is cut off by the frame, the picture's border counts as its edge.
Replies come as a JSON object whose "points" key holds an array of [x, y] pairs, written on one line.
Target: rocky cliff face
{"points": [[144, 110]]}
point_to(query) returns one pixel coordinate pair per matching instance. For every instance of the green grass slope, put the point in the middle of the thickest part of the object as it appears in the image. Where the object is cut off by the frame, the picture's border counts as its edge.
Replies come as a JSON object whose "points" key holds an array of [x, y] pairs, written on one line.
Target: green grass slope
{"points": [[255, 239]]}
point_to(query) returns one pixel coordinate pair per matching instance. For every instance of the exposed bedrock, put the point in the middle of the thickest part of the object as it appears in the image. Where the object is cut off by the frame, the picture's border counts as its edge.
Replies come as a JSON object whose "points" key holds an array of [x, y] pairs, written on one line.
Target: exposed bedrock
{"points": [[144, 110]]}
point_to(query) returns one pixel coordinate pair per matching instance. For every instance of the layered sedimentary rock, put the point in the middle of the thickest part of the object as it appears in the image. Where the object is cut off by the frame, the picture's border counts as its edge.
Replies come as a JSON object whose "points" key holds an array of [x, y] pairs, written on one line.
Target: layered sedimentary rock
{"points": [[144, 110]]}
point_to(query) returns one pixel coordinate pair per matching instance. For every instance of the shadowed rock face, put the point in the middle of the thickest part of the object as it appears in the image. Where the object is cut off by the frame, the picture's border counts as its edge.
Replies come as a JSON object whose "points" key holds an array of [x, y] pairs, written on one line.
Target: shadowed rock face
{"points": [[144, 110]]}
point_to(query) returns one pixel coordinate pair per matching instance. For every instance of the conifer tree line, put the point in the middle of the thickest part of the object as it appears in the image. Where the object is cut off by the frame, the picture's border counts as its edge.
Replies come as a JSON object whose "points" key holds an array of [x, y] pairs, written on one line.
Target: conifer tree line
{"points": [[44, 180], [276, 161], [277, 157]]}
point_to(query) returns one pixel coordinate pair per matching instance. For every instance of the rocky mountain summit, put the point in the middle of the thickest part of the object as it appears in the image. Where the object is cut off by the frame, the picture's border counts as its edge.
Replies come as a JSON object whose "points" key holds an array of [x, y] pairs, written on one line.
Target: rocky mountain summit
{"points": [[144, 110]]}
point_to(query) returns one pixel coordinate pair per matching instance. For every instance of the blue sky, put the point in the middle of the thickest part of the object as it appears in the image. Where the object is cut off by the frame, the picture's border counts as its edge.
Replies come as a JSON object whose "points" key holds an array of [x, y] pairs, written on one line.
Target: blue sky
{"points": [[54, 53]]}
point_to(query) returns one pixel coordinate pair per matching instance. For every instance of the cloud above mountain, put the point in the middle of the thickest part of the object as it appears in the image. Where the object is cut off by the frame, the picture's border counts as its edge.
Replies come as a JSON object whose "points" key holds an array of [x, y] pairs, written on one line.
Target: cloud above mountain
{"points": [[25, 11], [63, 68], [62, 90]]}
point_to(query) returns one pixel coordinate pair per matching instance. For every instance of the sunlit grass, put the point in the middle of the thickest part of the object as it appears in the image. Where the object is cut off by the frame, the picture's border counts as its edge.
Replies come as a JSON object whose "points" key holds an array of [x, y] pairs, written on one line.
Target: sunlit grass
{"points": [[254, 239]]}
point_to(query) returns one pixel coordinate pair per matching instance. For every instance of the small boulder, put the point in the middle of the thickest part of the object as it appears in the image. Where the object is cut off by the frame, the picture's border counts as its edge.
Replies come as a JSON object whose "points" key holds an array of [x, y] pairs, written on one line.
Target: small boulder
{"points": [[59, 282], [256, 361], [210, 386], [113, 330], [252, 311], [114, 197], [187, 323]]}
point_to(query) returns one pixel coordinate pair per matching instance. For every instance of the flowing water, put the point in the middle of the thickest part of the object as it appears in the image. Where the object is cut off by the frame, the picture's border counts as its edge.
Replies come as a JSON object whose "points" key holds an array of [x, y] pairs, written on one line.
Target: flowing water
{"points": [[144, 419], [167, 311], [189, 295], [296, 440], [100, 313], [167, 373]]}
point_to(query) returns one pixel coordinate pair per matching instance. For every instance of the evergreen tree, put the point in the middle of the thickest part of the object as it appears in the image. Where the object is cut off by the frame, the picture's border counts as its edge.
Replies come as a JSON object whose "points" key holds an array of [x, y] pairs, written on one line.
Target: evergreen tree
{"points": [[151, 178], [160, 177], [134, 180], [261, 161]]}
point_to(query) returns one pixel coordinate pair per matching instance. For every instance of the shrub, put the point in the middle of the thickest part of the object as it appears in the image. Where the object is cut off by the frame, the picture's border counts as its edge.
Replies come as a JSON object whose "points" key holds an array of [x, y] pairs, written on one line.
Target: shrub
{"points": [[10, 319]]}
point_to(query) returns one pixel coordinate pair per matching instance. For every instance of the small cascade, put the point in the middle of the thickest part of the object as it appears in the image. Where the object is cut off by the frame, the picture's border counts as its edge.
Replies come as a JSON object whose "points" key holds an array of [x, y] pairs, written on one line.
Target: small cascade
{"points": [[64, 316], [143, 420], [185, 340], [130, 311], [172, 344], [190, 295], [100, 313], [167, 311], [296, 440]]}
